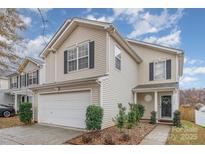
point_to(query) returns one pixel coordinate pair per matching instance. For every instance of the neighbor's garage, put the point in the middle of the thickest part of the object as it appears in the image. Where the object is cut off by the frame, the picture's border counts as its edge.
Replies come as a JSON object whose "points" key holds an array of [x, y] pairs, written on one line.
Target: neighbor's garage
{"points": [[66, 109]]}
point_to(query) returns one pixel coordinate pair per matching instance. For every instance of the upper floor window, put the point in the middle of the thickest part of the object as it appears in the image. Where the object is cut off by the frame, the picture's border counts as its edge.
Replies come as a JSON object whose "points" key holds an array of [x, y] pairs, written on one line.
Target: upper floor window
{"points": [[14, 82], [78, 57], [117, 58], [32, 77], [23, 80], [160, 70]]}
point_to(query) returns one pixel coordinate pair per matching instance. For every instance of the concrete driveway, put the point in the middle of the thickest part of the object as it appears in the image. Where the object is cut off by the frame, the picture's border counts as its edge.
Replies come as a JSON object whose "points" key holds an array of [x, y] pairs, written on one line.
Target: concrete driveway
{"points": [[36, 134]]}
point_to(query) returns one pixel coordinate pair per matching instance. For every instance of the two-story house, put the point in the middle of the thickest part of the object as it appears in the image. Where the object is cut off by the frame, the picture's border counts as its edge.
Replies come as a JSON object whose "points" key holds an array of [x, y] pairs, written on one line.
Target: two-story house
{"points": [[89, 62], [30, 72]]}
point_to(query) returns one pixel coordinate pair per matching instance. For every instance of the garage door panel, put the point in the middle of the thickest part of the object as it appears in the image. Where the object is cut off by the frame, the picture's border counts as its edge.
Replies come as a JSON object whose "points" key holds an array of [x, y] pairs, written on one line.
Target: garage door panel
{"points": [[67, 109]]}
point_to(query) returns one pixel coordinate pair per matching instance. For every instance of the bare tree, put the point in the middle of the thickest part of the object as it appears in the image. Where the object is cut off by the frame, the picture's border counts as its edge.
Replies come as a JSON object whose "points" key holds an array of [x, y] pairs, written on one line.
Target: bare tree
{"points": [[11, 24]]}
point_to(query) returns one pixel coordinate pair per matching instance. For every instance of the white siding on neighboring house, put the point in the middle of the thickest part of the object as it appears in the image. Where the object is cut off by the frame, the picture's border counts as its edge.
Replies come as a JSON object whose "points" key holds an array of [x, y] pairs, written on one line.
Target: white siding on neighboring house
{"points": [[117, 87], [4, 84]]}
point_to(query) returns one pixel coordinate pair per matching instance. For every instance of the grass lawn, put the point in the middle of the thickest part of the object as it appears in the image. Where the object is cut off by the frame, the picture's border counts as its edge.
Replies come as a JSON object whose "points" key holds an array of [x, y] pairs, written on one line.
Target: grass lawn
{"points": [[9, 122], [189, 133]]}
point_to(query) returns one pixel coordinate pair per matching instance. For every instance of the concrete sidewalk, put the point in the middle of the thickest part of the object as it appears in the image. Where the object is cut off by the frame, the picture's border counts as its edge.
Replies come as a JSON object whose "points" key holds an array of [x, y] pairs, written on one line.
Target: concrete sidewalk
{"points": [[158, 136]]}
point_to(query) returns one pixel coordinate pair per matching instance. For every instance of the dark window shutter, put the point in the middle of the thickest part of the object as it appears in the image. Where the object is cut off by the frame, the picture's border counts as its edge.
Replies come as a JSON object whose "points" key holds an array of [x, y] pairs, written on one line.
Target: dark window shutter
{"points": [[20, 81], [168, 69], [27, 79], [37, 72], [92, 54], [65, 62], [17, 81], [151, 71]]}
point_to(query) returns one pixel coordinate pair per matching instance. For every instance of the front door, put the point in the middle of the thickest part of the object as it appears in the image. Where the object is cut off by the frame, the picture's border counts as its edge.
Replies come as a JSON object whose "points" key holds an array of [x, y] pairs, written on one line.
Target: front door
{"points": [[166, 106]]}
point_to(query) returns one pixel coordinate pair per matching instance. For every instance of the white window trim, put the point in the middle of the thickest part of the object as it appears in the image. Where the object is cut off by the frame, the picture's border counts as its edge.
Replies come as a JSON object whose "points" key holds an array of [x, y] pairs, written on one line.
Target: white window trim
{"points": [[12, 81], [118, 57], [77, 57], [32, 74], [156, 61]]}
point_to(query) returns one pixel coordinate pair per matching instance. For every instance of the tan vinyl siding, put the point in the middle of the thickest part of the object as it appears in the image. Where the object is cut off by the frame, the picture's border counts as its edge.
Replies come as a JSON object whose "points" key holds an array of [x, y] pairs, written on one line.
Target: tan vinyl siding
{"points": [[95, 93], [117, 87], [149, 55], [50, 68], [80, 34], [149, 106]]}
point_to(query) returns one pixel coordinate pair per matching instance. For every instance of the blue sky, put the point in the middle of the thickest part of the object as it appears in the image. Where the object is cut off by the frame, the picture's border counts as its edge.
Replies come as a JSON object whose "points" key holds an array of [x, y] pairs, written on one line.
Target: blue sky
{"points": [[179, 28]]}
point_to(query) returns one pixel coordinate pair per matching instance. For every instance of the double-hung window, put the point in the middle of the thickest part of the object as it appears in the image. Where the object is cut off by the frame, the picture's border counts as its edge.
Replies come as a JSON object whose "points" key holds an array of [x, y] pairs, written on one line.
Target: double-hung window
{"points": [[35, 77], [72, 59], [78, 57], [23, 80], [117, 58], [32, 78], [160, 70], [83, 56], [14, 82]]}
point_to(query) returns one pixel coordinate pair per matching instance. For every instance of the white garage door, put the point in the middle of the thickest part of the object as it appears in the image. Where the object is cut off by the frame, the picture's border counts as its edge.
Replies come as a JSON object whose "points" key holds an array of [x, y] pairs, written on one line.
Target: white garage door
{"points": [[66, 109]]}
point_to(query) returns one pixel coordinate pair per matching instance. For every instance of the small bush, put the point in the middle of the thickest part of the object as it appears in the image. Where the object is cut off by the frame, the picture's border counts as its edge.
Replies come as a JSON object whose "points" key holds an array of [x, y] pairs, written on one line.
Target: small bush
{"points": [[153, 119], [137, 113], [86, 138], [108, 140], [94, 115], [25, 112], [121, 117], [125, 137], [131, 117], [177, 119], [141, 110]]}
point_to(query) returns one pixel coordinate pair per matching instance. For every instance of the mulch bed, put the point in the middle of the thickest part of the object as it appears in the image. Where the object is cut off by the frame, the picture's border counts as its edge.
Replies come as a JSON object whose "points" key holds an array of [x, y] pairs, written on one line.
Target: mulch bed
{"points": [[136, 135]]}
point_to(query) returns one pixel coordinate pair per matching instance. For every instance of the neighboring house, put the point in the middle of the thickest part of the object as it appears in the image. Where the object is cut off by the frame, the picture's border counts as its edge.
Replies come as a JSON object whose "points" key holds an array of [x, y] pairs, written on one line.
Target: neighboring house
{"points": [[4, 85], [30, 72], [89, 62]]}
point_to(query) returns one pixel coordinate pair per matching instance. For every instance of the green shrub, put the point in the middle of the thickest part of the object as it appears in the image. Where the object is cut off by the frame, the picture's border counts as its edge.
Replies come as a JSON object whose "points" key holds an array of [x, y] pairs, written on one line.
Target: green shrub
{"points": [[121, 117], [94, 116], [153, 119], [141, 110], [177, 118], [136, 109], [25, 112], [132, 116]]}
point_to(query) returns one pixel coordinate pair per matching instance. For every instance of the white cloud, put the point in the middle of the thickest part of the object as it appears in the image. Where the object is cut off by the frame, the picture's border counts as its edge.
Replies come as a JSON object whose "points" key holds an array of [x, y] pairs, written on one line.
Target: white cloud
{"points": [[194, 70], [148, 23], [102, 18], [144, 22], [34, 47], [188, 79], [191, 61], [26, 20], [172, 39]]}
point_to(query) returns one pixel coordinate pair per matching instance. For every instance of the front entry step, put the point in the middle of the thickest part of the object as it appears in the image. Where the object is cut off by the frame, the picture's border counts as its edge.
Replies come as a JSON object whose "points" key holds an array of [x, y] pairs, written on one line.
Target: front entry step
{"points": [[167, 122]]}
